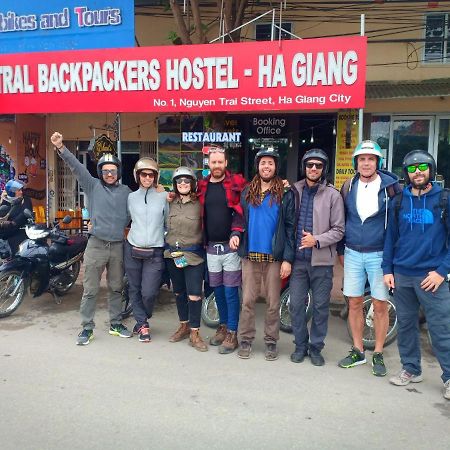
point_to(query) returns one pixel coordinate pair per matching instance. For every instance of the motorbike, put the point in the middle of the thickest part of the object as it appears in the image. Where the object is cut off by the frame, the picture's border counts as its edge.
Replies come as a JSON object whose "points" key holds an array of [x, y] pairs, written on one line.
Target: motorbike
{"points": [[48, 261]]}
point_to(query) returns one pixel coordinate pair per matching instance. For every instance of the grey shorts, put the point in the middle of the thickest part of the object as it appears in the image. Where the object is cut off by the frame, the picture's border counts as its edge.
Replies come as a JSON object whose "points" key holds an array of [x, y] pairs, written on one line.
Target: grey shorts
{"points": [[224, 265]]}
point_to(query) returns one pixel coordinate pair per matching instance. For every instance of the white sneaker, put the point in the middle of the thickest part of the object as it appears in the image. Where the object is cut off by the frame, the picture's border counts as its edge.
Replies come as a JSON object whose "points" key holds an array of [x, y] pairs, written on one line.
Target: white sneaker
{"points": [[403, 378], [447, 390]]}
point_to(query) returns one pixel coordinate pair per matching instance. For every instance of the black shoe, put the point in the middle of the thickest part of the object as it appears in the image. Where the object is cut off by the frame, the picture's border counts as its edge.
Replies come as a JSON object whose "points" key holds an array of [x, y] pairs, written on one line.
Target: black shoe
{"points": [[298, 356], [317, 359], [378, 366]]}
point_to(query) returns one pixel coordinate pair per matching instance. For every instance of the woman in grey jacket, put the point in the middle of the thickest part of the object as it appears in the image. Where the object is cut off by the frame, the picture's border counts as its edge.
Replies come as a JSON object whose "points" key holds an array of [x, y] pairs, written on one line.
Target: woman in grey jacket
{"points": [[144, 247]]}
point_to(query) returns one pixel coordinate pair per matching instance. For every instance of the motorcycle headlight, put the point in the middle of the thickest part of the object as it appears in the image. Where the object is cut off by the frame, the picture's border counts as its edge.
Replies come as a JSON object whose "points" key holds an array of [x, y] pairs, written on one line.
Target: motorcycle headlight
{"points": [[36, 232]]}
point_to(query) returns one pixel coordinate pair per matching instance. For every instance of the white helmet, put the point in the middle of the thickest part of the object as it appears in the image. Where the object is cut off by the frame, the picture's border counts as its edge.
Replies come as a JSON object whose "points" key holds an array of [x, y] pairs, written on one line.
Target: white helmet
{"points": [[367, 148], [184, 171], [146, 163]]}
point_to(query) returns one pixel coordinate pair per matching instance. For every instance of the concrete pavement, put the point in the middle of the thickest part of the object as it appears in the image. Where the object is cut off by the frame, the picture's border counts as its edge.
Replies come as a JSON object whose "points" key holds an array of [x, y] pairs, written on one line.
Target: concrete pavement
{"points": [[120, 393]]}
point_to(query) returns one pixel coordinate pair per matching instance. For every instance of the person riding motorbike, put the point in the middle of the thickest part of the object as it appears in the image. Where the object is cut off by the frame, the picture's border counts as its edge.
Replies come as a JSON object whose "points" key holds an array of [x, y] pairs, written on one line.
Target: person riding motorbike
{"points": [[12, 223]]}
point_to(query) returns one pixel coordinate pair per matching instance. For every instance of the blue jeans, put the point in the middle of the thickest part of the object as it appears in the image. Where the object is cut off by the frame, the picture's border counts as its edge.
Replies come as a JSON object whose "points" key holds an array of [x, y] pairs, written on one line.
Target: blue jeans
{"points": [[409, 296], [320, 280], [228, 305]]}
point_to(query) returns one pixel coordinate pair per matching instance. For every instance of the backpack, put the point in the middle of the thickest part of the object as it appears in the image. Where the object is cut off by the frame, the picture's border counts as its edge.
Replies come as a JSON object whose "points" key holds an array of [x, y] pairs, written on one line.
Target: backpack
{"points": [[443, 206]]}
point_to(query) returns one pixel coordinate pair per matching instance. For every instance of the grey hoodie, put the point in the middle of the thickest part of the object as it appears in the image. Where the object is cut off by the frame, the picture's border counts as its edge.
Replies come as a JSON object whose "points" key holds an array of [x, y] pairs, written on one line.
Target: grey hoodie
{"points": [[107, 203]]}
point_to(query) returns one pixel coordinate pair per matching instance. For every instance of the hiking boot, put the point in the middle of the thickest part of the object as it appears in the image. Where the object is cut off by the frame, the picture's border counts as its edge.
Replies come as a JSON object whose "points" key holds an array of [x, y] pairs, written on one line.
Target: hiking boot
{"points": [[144, 333], [230, 343], [245, 348], [271, 353], [182, 333], [85, 337], [120, 330], [298, 356], [447, 390], [403, 378], [220, 335], [316, 358], [196, 341], [354, 358], [378, 367]]}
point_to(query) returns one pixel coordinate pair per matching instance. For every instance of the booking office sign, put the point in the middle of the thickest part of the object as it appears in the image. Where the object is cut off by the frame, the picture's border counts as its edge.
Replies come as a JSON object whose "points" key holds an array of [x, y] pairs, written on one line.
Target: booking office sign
{"points": [[27, 26]]}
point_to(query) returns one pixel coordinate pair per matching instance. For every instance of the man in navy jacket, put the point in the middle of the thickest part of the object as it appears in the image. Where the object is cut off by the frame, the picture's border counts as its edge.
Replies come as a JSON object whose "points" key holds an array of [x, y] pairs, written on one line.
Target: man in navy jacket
{"points": [[416, 261]]}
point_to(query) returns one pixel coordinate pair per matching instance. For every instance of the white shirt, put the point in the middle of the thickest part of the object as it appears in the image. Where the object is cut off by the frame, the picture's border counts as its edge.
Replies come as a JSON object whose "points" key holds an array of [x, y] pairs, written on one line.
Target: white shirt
{"points": [[367, 198]]}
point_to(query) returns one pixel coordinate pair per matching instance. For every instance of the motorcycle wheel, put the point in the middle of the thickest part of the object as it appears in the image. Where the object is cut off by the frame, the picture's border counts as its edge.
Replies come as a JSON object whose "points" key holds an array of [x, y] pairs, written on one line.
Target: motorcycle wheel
{"points": [[74, 270], [210, 314], [285, 313], [126, 304], [8, 283], [369, 329]]}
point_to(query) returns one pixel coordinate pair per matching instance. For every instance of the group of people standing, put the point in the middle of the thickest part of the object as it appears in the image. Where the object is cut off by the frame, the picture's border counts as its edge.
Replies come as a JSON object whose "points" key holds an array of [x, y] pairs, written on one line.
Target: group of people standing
{"points": [[254, 235]]}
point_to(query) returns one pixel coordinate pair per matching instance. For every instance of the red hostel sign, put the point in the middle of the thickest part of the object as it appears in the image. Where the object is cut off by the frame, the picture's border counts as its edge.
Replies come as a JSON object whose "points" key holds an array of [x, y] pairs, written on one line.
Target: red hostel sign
{"points": [[310, 74]]}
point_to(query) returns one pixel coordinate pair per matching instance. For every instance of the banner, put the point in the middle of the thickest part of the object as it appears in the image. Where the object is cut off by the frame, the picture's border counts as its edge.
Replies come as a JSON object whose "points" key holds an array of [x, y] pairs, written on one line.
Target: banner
{"points": [[27, 26], [346, 141], [309, 74]]}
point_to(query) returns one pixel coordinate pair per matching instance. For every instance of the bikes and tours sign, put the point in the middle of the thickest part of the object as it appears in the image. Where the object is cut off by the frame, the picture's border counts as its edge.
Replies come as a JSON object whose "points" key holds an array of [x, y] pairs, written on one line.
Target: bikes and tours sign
{"points": [[309, 74]]}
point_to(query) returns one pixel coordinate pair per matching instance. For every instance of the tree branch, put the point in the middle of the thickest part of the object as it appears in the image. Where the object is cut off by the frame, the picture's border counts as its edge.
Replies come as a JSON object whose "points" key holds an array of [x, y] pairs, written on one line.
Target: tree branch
{"points": [[181, 25], [198, 21]]}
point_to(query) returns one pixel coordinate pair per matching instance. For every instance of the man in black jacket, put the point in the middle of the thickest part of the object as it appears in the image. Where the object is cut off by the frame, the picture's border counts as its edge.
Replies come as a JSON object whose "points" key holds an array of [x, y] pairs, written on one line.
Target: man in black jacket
{"points": [[267, 249], [11, 224]]}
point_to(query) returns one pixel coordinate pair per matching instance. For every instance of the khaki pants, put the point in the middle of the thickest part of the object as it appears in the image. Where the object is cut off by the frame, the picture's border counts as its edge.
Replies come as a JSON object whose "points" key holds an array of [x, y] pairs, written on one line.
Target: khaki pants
{"points": [[260, 278], [98, 256]]}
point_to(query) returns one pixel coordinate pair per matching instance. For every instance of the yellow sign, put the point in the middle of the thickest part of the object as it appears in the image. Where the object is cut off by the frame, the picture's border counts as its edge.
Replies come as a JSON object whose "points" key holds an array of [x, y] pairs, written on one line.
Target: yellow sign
{"points": [[103, 144], [346, 141]]}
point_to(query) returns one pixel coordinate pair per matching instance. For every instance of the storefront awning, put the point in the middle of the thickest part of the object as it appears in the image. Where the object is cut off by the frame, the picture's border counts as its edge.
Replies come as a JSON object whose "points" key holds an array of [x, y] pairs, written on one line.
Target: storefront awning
{"points": [[407, 89]]}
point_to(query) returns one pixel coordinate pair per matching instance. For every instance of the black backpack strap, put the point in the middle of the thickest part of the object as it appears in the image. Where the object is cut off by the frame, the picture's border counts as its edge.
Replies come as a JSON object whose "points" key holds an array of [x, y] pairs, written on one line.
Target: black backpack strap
{"points": [[443, 205], [397, 205]]}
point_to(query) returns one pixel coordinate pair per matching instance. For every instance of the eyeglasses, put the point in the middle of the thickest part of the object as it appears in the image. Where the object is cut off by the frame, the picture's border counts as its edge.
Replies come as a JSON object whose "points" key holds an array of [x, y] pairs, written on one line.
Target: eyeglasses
{"points": [[412, 168], [112, 172], [183, 180], [310, 165], [146, 174]]}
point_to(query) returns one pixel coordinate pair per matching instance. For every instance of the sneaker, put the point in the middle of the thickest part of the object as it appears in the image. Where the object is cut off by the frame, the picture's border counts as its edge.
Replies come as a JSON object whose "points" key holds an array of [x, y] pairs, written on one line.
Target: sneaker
{"points": [[120, 330], [298, 356], [230, 343], [271, 353], [354, 358], [144, 334], [403, 378], [245, 348], [219, 337], [378, 367], [447, 390], [316, 358], [85, 337]]}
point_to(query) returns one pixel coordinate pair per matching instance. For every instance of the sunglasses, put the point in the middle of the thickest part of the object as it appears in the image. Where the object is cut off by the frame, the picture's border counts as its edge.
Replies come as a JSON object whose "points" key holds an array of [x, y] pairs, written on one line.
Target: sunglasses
{"points": [[412, 168], [109, 172], [146, 174], [183, 180], [310, 165], [208, 149]]}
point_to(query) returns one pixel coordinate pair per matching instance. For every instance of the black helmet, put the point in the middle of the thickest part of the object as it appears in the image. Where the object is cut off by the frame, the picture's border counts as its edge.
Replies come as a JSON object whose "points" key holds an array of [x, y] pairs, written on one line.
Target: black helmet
{"points": [[419, 157], [316, 153], [108, 158], [270, 151]]}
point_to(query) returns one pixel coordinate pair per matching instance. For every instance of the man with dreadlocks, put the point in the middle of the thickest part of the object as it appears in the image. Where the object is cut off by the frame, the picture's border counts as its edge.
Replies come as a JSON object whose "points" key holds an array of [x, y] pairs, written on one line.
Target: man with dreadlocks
{"points": [[267, 248]]}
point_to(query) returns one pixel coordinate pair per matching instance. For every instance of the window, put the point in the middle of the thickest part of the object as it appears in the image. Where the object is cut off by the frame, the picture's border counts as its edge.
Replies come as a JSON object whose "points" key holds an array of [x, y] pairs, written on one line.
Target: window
{"points": [[264, 31], [437, 38]]}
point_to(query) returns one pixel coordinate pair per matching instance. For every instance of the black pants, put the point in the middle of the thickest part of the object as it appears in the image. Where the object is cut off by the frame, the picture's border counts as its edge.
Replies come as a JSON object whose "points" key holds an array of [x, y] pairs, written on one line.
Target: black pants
{"points": [[187, 281], [144, 279]]}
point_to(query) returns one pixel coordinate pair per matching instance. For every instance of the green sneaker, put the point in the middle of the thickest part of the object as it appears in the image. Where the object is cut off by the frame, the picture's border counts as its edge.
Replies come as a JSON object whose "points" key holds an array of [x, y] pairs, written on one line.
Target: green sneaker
{"points": [[85, 337], [378, 367], [120, 330], [354, 358]]}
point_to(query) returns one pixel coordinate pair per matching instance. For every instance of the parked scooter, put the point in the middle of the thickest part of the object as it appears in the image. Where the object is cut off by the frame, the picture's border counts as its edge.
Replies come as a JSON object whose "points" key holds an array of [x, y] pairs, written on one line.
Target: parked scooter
{"points": [[39, 266]]}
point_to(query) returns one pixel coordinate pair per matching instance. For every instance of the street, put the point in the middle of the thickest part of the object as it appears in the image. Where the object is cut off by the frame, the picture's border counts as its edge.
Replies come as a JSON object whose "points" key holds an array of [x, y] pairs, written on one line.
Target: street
{"points": [[120, 393]]}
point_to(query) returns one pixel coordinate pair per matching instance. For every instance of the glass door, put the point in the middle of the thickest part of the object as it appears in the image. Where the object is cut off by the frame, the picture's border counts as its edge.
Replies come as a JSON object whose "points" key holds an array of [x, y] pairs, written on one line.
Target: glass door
{"points": [[410, 133], [442, 147]]}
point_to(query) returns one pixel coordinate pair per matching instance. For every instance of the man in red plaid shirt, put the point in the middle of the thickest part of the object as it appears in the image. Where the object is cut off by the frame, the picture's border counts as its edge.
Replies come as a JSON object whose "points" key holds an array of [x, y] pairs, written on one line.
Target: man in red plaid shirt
{"points": [[219, 195]]}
